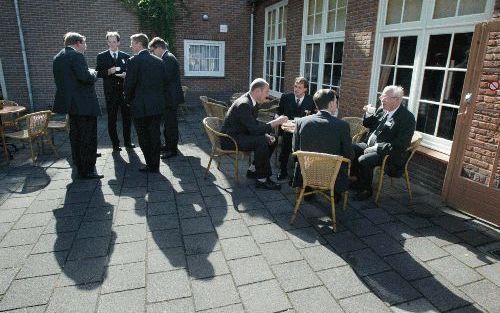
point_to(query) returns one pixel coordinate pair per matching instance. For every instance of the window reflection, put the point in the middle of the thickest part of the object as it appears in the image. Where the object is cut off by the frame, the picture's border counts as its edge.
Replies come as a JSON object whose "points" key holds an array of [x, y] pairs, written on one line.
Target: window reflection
{"points": [[460, 50], [447, 122], [437, 52], [427, 117]]}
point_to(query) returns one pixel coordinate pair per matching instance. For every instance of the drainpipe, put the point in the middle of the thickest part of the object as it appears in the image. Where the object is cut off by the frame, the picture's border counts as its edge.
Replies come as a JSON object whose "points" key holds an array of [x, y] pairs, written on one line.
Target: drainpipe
{"points": [[250, 74], [23, 51]]}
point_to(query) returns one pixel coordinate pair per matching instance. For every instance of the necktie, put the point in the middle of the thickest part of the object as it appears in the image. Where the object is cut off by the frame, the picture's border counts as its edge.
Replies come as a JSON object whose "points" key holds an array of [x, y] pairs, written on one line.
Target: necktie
{"points": [[298, 102], [373, 137], [114, 55]]}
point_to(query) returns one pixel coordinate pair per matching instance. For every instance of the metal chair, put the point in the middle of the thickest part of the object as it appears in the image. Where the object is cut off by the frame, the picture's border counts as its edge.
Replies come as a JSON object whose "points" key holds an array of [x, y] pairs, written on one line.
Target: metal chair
{"points": [[358, 131], [319, 172]]}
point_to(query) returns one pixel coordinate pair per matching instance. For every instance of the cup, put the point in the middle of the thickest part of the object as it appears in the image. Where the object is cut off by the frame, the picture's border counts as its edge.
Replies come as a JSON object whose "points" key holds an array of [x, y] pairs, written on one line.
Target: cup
{"points": [[117, 68], [370, 109]]}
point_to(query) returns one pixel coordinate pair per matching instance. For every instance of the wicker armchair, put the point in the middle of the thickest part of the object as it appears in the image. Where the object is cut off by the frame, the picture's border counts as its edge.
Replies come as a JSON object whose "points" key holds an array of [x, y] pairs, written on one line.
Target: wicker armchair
{"points": [[212, 127], [9, 120], [358, 131], [319, 172], [36, 127], [213, 109], [235, 96], [415, 142]]}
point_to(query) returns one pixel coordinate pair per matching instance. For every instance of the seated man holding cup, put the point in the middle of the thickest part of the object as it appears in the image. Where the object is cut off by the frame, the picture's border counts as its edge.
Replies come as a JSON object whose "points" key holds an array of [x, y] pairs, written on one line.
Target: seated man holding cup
{"points": [[391, 128]]}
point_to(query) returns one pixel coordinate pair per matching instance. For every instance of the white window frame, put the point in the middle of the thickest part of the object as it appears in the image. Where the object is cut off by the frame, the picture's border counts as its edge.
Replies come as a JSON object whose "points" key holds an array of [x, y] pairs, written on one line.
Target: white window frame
{"points": [[276, 44], [322, 38], [189, 73], [423, 31]]}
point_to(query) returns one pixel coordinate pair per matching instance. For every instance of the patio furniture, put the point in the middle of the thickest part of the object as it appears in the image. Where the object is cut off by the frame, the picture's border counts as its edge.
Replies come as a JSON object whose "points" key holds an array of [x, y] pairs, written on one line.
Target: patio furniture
{"points": [[415, 142], [9, 119], [358, 131], [8, 111], [212, 127], [319, 172], [36, 128], [213, 109], [236, 95]]}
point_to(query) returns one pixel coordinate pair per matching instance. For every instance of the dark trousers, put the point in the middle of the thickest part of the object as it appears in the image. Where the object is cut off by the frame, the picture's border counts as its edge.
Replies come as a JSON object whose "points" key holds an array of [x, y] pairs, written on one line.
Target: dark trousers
{"points": [[113, 106], [363, 165], [286, 149], [83, 139], [261, 149], [148, 134], [171, 129]]}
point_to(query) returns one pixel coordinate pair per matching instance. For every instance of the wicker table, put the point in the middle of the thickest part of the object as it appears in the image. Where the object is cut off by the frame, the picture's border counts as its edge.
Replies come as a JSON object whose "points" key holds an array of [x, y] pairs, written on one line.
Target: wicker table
{"points": [[4, 111]]}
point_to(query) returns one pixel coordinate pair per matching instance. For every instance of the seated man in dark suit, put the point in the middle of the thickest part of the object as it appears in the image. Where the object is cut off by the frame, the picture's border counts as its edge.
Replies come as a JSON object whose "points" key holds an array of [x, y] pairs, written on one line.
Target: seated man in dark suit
{"points": [[323, 132], [251, 135], [391, 129], [293, 105]]}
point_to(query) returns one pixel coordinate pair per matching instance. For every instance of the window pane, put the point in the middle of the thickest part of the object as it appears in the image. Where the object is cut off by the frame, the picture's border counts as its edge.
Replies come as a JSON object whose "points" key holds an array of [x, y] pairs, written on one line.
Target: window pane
{"points": [[307, 71], [394, 8], [269, 25], [327, 74], [426, 118], [328, 52], [314, 72], [341, 3], [412, 10], [389, 50], [407, 48], [460, 50], [273, 25], [341, 13], [331, 21], [310, 24], [386, 77], [432, 85], [317, 24], [471, 7], [315, 52], [438, 50], [403, 78], [312, 88], [444, 8], [337, 72], [339, 50], [453, 87], [308, 53], [447, 122], [285, 13]]}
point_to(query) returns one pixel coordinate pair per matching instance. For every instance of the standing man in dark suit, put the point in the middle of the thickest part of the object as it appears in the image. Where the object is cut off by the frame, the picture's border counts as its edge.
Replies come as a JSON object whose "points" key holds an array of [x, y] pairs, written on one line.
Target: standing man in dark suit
{"points": [[251, 135], [76, 96], [292, 105], [391, 129], [111, 67], [175, 95], [323, 132], [145, 91]]}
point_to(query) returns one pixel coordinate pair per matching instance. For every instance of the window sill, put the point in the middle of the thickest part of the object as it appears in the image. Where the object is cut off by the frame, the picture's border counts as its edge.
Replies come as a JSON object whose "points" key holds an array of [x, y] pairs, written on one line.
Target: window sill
{"points": [[433, 154]]}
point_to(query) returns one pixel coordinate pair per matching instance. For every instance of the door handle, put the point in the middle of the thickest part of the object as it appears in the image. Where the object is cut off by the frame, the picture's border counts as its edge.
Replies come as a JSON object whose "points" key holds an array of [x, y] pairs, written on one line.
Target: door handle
{"points": [[468, 99]]}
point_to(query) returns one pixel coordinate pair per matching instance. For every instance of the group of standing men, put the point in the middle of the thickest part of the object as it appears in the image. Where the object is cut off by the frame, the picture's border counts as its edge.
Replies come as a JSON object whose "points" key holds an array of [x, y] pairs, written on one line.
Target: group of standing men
{"points": [[145, 88]]}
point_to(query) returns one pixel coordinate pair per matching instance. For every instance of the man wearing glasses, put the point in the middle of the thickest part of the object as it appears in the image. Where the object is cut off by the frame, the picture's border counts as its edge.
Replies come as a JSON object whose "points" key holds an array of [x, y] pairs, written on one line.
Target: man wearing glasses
{"points": [[391, 128]]}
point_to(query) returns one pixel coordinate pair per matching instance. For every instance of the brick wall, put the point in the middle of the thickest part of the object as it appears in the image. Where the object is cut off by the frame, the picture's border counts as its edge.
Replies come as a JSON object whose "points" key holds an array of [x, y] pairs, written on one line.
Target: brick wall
{"points": [[44, 25]]}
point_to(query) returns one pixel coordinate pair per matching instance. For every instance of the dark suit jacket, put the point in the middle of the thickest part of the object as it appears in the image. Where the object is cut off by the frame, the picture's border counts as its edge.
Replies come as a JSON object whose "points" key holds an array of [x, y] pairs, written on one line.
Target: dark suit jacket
{"points": [[288, 106], [145, 85], [324, 133], [75, 91], [113, 85], [241, 119], [174, 87], [394, 137]]}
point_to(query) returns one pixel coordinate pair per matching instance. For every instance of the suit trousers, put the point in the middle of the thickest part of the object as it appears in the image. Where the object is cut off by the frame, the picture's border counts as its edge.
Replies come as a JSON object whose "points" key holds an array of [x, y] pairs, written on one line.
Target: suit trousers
{"points": [[261, 149], [83, 139], [113, 106], [148, 134], [363, 165], [286, 149], [171, 129]]}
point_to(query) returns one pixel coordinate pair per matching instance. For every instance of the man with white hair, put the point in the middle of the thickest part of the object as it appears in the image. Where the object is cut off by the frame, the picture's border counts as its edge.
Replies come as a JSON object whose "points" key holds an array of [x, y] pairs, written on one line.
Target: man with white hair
{"points": [[251, 135], [391, 128]]}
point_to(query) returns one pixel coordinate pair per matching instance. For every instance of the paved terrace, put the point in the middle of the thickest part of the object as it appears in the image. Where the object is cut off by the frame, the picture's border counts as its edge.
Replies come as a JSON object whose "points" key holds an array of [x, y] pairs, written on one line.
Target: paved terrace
{"points": [[176, 242]]}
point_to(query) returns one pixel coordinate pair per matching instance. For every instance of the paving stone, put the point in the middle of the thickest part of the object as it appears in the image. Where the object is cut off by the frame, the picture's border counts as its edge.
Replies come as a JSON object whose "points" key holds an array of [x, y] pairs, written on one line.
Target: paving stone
{"points": [[89, 247], [126, 301], [189, 199], [342, 282], [231, 229], [130, 217], [233, 308], [365, 303], [130, 233], [7, 216], [63, 224], [442, 294], [184, 305], [250, 270], [16, 203], [94, 229], [99, 213], [408, 266], [280, 252], [321, 258], [70, 210], [73, 299], [33, 220], [168, 286], [474, 237], [223, 214], [166, 260], [194, 210], [469, 255], [414, 221], [491, 272], [83, 272], [248, 204], [196, 225], [344, 242], [279, 207], [201, 243], [314, 300], [451, 223], [5, 228], [399, 231], [365, 262], [455, 272], [43, 264], [28, 292], [473, 308], [222, 200], [14, 256], [163, 239], [162, 222], [216, 292], [439, 236], [19, 237], [391, 288], [305, 237], [264, 296], [283, 221], [207, 265], [267, 233], [424, 249], [295, 275], [161, 208], [6, 277], [377, 216], [485, 294], [383, 244], [419, 305], [362, 227], [129, 252], [124, 277], [235, 248]]}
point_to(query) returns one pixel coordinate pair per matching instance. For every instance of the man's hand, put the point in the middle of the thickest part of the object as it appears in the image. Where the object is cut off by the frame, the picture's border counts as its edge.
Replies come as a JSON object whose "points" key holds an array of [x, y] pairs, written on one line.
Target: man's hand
{"points": [[122, 75], [111, 70], [371, 149], [270, 139], [278, 121]]}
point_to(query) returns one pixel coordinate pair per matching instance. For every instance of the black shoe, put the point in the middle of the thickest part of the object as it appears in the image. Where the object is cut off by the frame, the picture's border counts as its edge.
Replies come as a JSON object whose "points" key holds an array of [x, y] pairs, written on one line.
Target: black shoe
{"points": [[283, 176], [168, 155], [251, 174], [98, 155], [92, 175], [363, 195], [268, 184], [129, 146], [117, 149]]}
